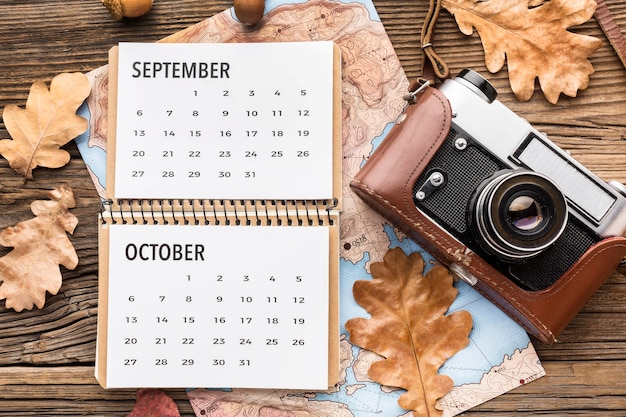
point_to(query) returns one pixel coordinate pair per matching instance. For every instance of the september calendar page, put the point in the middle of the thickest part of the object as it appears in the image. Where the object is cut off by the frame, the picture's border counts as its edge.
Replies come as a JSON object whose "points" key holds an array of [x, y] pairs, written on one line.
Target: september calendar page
{"points": [[233, 121]]}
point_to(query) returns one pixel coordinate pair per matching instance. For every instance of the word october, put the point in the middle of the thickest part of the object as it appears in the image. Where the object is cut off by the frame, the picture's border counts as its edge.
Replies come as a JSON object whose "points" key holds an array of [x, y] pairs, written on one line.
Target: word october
{"points": [[180, 69], [165, 252]]}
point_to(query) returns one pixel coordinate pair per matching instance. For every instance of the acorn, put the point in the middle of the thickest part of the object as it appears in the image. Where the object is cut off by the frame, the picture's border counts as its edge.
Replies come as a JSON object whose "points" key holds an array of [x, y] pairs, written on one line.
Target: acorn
{"points": [[249, 12], [127, 8]]}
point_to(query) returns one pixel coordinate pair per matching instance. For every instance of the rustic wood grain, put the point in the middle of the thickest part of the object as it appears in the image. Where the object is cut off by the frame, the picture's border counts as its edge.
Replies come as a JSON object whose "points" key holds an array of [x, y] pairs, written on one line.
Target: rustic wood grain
{"points": [[46, 356]]}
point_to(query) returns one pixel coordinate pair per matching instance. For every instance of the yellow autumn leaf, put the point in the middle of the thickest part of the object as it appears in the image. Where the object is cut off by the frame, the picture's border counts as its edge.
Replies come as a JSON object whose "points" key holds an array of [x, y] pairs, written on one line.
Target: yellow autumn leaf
{"points": [[532, 37], [409, 328], [48, 122], [39, 245]]}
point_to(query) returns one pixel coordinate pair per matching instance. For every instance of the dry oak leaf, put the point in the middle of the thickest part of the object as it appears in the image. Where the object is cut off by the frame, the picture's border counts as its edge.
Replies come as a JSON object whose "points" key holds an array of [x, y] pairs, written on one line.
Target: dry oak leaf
{"points": [[533, 38], [409, 328], [48, 122], [39, 246], [154, 403]]}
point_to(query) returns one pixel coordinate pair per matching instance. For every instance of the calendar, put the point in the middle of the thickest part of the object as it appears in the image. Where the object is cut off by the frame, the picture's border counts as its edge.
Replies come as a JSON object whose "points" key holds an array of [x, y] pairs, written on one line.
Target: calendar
{"points": [[219, 234], [236, 119]]}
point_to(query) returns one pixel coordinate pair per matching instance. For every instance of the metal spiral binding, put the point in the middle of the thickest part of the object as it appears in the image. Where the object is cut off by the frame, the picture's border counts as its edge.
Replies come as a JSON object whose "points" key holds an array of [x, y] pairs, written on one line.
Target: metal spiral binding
{"points": [[219, 212], [105, 206]]}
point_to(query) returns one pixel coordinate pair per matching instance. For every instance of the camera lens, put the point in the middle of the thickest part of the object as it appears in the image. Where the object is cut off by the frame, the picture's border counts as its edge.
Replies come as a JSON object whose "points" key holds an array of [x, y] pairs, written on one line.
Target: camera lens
{"points": [[516, 214], [525, 213]]}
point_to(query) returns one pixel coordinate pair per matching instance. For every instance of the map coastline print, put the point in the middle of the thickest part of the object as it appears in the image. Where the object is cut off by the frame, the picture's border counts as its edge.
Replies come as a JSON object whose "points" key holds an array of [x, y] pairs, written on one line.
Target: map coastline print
{"points": [[500, 356]]}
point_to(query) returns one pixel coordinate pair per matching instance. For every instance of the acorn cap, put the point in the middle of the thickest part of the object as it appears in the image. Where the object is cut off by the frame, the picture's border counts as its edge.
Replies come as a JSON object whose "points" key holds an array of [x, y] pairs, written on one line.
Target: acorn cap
{"points": [[115, 7]]}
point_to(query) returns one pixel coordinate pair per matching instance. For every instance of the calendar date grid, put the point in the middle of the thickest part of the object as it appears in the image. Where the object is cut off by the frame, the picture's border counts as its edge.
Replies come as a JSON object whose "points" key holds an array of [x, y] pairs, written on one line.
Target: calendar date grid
{"points": [[224, 142], [221, 327]]}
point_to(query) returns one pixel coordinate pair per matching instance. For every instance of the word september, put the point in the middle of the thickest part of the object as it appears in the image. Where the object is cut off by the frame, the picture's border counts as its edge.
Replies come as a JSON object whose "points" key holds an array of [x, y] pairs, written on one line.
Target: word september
{"points": [[180, 69]]}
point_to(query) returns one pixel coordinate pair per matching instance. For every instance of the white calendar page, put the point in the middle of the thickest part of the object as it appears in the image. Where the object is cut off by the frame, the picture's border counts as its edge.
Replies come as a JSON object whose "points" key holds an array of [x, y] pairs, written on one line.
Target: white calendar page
{"points": [[224, 121], [214, 306]]}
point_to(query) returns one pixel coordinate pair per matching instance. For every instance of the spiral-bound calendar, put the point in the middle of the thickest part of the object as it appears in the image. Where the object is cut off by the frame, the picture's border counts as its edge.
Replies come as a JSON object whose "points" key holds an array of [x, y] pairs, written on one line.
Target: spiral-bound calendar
{"points": [[219, 235]]}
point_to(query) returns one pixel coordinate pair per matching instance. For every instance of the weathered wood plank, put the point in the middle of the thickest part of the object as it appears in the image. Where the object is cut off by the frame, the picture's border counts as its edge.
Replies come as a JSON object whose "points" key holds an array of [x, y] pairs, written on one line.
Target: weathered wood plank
{"points": [[570, 388], [565, 391]]}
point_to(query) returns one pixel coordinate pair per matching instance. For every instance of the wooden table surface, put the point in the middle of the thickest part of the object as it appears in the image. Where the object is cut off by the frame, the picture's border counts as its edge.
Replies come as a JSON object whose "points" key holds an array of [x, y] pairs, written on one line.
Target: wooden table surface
{"points": [[46, 356]]}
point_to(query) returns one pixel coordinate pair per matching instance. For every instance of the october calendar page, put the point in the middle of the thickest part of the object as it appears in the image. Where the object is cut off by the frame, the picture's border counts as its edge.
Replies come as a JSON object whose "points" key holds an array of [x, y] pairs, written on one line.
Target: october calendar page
{"points": [[190, 313]]}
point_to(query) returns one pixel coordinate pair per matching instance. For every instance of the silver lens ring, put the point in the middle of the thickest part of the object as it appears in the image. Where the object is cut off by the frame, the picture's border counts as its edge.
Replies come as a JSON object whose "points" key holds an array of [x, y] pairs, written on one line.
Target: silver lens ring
{"points": [[517, 214]]}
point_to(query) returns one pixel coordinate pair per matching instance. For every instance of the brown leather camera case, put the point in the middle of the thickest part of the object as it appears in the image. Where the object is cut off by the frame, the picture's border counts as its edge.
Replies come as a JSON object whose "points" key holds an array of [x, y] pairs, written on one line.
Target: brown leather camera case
{"points": [[386, 182]]}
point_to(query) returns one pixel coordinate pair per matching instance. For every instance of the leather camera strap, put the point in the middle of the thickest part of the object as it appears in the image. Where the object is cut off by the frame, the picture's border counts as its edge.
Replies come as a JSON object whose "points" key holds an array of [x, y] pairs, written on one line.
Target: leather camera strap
{"points": [[611, 30], [433, 67]]}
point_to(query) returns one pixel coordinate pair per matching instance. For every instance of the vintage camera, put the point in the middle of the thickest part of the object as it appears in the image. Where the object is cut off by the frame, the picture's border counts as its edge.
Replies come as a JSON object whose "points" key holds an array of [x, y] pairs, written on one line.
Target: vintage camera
{"points": [[511, 195]]}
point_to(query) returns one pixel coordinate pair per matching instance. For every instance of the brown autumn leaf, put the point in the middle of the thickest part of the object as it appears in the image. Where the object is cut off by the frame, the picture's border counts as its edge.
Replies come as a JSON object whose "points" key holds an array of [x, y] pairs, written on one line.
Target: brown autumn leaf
{"points": [[39, 246], [154, 403], [48, 122], [409, 328], [532, 36]]}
